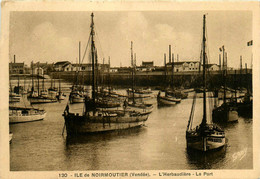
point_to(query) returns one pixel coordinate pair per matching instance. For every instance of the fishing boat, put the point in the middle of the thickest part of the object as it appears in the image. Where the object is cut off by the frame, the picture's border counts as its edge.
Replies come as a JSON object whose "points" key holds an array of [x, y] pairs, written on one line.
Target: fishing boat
{"points": [[36, 97], [245, 106], [25, 114], [10, 137], [77, 94], [60, 95], [166, 100], [226, 112], [13, 97], [93, 120], [136, 97], [173, 92], [206, 136]]}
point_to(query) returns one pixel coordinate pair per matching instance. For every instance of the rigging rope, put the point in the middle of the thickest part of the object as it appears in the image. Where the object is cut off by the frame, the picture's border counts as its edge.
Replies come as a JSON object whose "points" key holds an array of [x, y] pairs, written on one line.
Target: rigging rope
{"points": [[85, 51]]}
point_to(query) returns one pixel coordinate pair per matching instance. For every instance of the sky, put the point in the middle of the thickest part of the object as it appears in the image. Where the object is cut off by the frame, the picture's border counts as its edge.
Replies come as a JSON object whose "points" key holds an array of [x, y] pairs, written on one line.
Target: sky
{"points": [[54, 36]]}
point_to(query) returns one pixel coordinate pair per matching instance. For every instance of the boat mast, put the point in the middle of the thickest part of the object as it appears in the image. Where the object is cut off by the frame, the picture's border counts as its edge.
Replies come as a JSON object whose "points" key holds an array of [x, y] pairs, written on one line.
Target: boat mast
{"points": [[224, 75], [38, 75], [172, 68], [165, 73], [32, 79], [92, 33], [132, 63], [204, 120], [43, 81], [79, 62], [109, 88]]}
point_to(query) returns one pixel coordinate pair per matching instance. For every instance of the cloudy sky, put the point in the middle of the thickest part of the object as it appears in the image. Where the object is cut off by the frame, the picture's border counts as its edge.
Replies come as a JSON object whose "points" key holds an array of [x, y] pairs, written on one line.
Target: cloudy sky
{"points": [[54, 36]]}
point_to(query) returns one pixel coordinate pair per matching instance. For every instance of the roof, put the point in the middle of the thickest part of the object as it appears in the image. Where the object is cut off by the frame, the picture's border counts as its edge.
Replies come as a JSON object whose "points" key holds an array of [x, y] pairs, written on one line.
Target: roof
{"points": [[16, 64], [181, 62], [61, 63]]}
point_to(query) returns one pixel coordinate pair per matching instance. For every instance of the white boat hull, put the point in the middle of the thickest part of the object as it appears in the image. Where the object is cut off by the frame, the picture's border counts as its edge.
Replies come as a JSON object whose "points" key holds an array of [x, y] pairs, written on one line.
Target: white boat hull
{"points": [[10, 137], [30, 118]]}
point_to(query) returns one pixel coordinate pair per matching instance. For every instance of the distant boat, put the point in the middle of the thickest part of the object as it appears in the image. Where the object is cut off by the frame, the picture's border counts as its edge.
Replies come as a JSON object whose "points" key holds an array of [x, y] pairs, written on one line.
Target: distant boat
{"points": [[38, 97], [10, 137], [226, 112], [13, 97], [136, 97], [206, 136], [60, 95], [166, 99], [25, 114], [94, 120]]}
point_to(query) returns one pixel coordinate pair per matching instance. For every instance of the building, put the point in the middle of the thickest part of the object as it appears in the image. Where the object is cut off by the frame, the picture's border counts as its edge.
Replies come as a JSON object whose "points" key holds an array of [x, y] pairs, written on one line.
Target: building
{"points": [[146, 66], [184, 66], [16, 68], [213, 67], [44, 67], [113, 69], [84, 67], [59, 66]]}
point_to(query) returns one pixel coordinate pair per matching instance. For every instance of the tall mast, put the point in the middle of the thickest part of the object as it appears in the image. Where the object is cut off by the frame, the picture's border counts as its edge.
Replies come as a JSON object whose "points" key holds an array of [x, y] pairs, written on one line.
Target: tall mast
{"points": [[38, 75], [96, 69], [220, 62], [59, 85], [170, 53], [241, 67], [109, 88], [43, 81], [79, 64], [204, 120], [32, 79], [92, 33], [165, 72], [132, 63], [172, 70], [225, 73]]}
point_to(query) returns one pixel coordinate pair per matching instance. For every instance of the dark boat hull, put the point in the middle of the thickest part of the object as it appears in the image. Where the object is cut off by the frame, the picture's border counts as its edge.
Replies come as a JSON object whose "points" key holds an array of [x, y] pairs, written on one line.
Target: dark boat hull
{"points": [[76, 124]]}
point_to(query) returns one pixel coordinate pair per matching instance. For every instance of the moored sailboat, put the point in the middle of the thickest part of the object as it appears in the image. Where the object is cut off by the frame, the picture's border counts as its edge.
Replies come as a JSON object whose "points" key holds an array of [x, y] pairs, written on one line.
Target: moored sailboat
{"points": [[166, 100], [226, 112], [25, 114], [93, 120], [206, 136], [36, 97]]}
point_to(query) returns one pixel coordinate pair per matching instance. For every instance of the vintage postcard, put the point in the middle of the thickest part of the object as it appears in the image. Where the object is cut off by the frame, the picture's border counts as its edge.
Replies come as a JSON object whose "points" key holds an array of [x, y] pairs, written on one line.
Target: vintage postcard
{"points": [[129, 89]]}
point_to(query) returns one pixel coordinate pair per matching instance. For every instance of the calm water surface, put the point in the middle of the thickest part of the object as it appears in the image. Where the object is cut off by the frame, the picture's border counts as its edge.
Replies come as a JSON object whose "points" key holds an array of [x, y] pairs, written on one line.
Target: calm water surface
{"points": [[160, 145]]}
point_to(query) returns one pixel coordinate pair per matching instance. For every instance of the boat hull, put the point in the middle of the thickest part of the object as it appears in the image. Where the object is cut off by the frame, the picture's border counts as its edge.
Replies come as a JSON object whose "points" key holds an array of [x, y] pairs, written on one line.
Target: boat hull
{"points": [[222, 115], [29, 118], [167, 101], [41, 100], [206, 143], [93, 124], [77, 100]]}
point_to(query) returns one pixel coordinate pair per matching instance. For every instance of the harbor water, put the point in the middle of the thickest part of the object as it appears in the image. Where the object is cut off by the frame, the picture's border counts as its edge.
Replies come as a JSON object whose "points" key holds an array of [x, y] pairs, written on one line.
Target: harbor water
{"points": [[159, 145]]}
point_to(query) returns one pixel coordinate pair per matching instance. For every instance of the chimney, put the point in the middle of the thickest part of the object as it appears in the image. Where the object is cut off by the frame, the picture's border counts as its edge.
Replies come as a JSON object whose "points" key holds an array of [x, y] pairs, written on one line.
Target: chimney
{"points": [[170, 53], [14, 58]]}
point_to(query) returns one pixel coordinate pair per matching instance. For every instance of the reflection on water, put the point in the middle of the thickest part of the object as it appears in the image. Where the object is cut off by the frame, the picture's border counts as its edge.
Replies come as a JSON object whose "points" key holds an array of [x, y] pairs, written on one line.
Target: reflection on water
{"points": [[90, 138], [206, 160], [161, 145]]}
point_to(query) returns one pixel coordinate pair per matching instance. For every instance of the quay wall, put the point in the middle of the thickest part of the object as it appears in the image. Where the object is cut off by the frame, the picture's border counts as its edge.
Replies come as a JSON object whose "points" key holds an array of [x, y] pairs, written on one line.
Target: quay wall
{"points": [[158, 79]]}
